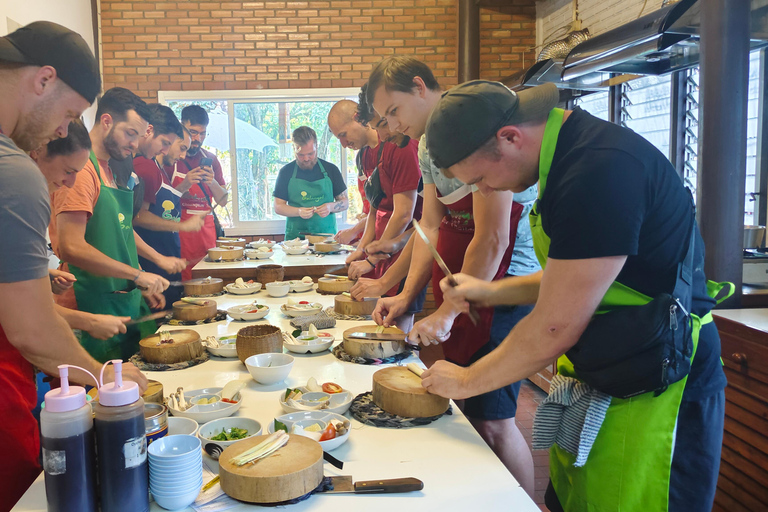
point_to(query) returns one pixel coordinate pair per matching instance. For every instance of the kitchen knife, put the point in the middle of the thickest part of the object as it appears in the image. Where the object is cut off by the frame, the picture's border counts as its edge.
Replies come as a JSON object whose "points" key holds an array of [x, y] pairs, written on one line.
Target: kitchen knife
{"points": [[473, 315], [343, 484], [147, 318], [381, 336]]}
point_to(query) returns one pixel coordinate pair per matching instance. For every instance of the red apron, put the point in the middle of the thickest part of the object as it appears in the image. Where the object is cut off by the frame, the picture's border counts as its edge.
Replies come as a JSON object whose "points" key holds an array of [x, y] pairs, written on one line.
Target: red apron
{"points": [[382, 218], [18, 430], [456, 232]]}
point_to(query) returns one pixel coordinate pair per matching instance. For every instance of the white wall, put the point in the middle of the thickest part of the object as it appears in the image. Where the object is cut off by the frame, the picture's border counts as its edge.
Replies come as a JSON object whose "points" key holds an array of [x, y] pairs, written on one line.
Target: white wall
{"points": [[552, 16]]}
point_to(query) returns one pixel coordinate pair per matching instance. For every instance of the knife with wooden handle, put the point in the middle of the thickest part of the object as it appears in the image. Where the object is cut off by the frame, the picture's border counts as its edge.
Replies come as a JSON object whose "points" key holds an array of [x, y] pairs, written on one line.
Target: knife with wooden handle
{"points": [[343, 484]]}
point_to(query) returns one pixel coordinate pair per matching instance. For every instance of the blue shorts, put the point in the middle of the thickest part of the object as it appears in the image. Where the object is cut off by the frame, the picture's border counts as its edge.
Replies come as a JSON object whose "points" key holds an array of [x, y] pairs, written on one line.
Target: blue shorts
{"points": [[502, 403], [417, 305]]}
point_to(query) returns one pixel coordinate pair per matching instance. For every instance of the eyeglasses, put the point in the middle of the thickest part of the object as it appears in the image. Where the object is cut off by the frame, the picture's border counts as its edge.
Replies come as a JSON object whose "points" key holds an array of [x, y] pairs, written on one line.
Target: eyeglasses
{"points": [[195, 133]]}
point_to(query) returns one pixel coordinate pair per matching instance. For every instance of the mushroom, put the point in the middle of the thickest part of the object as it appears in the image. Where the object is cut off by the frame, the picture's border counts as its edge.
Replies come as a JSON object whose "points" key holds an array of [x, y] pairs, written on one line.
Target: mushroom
{"points": [[182, 401]]}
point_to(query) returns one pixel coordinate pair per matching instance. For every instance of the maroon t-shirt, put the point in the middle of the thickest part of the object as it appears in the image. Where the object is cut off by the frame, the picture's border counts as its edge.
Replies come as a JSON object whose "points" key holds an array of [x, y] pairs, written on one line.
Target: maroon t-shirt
{"points": [[195, 199]]}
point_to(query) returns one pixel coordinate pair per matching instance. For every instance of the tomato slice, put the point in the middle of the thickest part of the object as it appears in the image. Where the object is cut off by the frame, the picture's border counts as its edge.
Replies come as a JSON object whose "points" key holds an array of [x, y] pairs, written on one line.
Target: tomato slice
{"points": [[330, 387], [303, 302], [328, 433]]}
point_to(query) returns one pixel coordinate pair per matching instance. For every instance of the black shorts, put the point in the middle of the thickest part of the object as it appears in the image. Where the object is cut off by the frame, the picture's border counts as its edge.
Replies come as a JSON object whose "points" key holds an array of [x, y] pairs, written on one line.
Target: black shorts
{"points": [[501, 403]]}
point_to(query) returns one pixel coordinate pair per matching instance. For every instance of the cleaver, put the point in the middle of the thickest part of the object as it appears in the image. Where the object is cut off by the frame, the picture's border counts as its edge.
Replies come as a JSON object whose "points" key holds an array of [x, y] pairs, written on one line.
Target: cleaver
{"points": [[344, 484]]}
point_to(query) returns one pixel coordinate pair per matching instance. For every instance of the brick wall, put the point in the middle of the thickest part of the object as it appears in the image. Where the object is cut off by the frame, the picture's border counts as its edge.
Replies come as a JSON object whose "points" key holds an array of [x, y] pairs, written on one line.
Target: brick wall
{"points": [[199, 45]]}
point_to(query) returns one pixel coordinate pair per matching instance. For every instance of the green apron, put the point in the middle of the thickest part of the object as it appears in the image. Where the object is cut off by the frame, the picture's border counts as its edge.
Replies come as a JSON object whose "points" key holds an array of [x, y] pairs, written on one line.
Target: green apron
{"points": [[110, 230], [307, 194], [630, 462]]}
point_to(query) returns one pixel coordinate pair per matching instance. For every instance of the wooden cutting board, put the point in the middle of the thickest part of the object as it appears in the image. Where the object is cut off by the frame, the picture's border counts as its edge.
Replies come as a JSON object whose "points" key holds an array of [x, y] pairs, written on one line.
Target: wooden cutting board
{"points": [[334, 285], [292, 471], [185, 347], [397, 390], [203, 286], [344, 305], [372, 349], [194, 312]]}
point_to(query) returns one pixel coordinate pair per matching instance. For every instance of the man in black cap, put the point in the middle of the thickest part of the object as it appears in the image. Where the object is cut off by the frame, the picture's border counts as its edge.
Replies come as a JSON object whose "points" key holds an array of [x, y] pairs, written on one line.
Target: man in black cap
{"points": [[48, 76], [612, 227]]}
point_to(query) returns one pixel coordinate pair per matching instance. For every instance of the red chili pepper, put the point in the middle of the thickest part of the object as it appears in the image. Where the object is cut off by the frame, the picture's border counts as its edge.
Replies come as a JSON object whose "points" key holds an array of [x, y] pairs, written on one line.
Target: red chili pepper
{"points": [[328, 433], [303, 302], [227, 400]]}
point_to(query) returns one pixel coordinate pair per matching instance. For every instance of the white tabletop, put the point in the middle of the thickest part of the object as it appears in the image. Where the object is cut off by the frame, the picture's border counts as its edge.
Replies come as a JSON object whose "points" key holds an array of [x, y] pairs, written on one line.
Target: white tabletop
{"points": [[757, 318], [458, 469], [278, 258]]}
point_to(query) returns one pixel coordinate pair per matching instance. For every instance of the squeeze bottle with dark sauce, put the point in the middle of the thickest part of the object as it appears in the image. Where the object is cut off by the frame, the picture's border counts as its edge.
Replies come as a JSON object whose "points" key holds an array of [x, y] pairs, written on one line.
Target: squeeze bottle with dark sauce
{"points": [[69, 459], [121, 445]]}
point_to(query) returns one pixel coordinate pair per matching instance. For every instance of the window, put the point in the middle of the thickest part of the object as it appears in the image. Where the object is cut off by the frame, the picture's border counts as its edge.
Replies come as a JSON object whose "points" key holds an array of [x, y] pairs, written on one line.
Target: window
{"points": [[645, 108], [259, 125], [692, 133], [595, 103]]}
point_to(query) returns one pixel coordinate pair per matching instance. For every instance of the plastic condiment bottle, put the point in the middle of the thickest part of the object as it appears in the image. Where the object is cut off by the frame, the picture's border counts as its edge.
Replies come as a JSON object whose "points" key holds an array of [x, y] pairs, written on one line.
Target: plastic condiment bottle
{"points": [[121, 445], [69, 458]]}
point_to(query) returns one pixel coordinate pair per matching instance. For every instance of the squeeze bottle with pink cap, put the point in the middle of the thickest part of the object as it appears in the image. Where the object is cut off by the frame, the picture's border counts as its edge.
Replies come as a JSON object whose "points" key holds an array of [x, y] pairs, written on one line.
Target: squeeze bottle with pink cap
{"points": [[121, 445], [69, 458]]}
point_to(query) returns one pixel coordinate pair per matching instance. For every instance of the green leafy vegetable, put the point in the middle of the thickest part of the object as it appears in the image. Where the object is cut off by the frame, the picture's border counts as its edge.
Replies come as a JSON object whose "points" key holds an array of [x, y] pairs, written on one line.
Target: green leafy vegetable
{"points": [[279, 425], [231, 435], [296, 333]]}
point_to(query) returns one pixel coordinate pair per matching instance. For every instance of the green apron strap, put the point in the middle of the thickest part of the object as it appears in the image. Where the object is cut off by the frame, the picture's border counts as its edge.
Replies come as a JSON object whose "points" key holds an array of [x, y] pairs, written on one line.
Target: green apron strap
{"points": [[714, 289], [548, 145]]}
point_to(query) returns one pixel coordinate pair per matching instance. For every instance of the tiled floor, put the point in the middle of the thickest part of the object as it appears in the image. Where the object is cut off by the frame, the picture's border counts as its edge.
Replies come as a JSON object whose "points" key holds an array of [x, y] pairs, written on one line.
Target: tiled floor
{"points": [[529, 398]]}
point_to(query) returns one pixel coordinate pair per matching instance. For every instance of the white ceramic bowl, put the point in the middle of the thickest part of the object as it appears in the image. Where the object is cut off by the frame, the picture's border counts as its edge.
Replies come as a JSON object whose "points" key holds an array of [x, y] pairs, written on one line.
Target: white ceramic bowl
{"points": [[252, 288], [290, 419], [339, 402], [312, 346], [300, 286], [242, 312], [259, 255], [215, 427], [269, 368], [262, 243], [312, 309], [226, 348], [176, 474], [295, 250], [278, 288], [205, 413], [176, 502], [170, 447], [178, 425]]}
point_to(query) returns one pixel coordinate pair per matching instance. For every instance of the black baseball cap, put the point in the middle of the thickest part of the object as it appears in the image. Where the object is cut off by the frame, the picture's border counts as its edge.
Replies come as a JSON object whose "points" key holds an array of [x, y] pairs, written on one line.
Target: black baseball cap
{"points": [[471, 113], [43, 43]]}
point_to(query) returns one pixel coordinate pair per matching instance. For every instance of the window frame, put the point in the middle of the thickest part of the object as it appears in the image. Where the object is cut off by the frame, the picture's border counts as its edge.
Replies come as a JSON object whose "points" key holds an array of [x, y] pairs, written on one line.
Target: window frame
{"points": [[259, 227]]}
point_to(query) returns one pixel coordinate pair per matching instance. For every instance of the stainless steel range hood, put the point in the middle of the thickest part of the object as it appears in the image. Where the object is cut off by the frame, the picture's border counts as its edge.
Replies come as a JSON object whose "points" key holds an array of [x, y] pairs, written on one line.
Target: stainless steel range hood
{"points": [[661, 42]]}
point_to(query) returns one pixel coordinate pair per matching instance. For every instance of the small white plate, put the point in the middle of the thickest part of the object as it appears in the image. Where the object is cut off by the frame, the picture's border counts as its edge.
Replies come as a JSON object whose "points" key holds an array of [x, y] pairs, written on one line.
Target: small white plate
{"points": [[205, 413], [324, 343], [300, 286], [295, 250], [338, 404], [226, 346], [251, 288], [261, 243], [241, 312], [290, 419], [316, 308]]}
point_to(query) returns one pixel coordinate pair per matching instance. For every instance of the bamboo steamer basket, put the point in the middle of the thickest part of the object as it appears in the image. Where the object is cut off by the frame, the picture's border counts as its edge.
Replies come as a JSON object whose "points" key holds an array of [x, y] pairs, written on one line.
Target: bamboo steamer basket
{"points": [[234, 242], [203, 286], [293, 471], [344, 305], [372, 349], [187, 312], [186, 346], [327, 246], [269, 273], [334, 285], [397, 390], [258, 339], [229, 252]]}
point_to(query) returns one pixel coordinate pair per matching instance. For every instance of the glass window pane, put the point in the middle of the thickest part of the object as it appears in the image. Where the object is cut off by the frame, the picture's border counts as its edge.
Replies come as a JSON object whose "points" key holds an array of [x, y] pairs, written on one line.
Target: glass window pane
{"points": [[646, 104], [595, 103]]}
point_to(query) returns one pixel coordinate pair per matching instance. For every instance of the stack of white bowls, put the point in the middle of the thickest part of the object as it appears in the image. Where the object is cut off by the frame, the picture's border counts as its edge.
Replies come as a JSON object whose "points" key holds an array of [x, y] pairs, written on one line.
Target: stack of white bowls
{"points": [[175, 470]]}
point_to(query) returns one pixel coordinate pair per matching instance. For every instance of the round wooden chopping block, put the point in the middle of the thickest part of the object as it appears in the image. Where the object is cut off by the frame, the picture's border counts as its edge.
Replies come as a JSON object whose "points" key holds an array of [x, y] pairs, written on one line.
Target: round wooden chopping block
{"points": [[154, 392], [372, 349], [318, 237], [185, 347], [397, 390], [327, 247], [187, 312], [235, 242], [334, 285], [203, 286], [344, 305], [292, 471], [228, 252]]}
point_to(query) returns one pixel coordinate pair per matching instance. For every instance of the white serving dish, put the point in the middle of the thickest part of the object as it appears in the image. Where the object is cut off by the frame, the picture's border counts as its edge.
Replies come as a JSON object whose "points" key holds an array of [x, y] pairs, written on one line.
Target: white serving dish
{"points": [[269, 368], [260, 255], [206, 413], [278, 288], [339, 402], [252, 288], [178, 425], [213, 428], [241, 312], [262, 243], [323, 343], [315, 308], [320, 416], [300, 286], [227, 346], [295, 250]]}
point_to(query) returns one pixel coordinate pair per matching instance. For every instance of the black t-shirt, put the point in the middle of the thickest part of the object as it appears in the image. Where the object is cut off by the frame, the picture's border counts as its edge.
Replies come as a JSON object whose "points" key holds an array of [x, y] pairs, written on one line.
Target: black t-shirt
{"points": [[285, 174], [612, 193], [122, 171]]}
